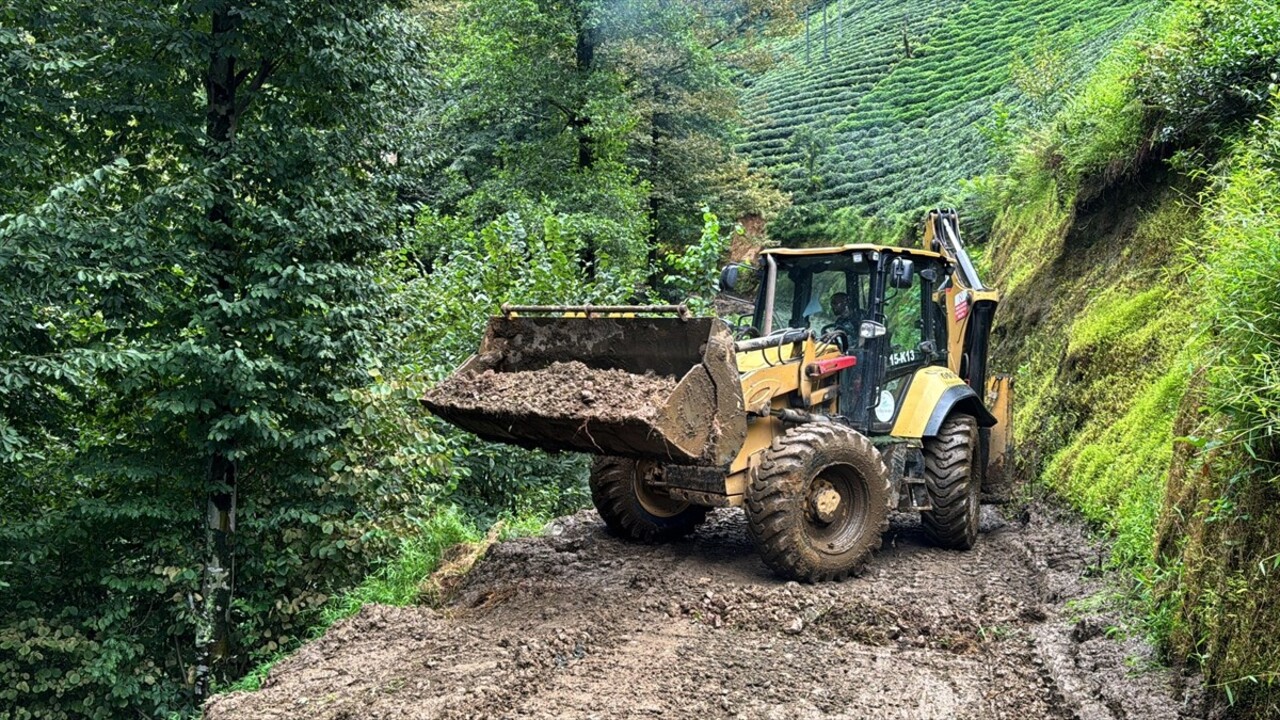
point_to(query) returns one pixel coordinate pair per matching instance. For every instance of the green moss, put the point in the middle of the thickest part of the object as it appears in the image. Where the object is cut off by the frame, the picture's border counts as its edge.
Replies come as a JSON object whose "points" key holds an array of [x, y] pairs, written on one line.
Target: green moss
{"points": [[1114, 469], [1098, 316], [1031, 229], [1117, 319]]}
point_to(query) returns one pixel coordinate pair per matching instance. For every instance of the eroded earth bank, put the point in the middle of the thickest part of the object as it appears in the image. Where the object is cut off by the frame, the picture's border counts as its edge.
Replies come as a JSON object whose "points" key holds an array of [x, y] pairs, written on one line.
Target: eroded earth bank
{"points": [[577, 624]]}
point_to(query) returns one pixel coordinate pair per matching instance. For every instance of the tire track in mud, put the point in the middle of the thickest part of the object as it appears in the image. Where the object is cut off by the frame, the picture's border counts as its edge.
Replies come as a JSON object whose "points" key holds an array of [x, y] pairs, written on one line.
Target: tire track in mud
{"points": [[577, 624]]}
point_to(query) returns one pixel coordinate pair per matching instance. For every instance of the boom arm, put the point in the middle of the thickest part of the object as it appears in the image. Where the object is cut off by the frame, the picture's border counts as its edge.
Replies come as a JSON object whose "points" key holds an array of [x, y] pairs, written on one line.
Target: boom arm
{"points": [[970, 305], [944, 229]]}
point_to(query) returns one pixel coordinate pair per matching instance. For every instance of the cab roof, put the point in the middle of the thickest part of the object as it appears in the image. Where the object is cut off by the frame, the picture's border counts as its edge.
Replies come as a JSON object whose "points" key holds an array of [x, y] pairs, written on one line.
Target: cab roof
{"points": [[851, 248]]}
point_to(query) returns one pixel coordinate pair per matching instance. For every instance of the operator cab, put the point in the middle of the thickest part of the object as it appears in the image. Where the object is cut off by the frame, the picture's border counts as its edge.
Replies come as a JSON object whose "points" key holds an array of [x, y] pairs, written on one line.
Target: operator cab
{"points": [[873, 302]]}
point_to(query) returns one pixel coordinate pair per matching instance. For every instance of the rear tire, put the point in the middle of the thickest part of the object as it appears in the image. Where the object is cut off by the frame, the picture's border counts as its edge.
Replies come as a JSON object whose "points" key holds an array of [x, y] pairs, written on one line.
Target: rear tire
{"points": [[635, 511], [819, 503], [953, 487]]}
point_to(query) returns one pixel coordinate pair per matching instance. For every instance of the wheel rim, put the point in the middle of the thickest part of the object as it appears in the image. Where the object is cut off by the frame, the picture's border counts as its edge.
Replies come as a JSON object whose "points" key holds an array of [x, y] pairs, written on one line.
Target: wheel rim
{"points": [[653, 500], [836, 510]]}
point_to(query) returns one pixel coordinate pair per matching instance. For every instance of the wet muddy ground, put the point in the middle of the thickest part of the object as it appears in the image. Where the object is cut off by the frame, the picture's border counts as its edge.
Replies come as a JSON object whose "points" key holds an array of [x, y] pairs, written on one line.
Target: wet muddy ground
{"points": [[577, 624]]}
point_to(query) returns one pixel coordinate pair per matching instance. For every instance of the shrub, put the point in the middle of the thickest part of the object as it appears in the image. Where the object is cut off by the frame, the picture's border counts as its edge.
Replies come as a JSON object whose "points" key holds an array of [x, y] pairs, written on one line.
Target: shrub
{"points": [[1213, 70]]}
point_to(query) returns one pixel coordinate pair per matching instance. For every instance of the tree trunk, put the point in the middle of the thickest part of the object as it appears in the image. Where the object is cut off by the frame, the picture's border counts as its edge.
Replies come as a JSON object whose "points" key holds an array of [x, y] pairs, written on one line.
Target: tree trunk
{"points": [[807, 14], [584, 56], [655, 204], [826, 47], [584, 62], [213, 636]]}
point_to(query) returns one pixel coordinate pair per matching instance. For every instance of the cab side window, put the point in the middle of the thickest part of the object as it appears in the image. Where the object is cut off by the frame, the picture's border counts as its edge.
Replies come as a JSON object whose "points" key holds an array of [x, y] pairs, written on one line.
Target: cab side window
{"points": [[904, 320]]}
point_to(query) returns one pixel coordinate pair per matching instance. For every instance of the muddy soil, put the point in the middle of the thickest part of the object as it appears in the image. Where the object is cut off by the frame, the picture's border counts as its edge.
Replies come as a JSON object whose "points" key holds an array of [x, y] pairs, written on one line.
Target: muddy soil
{"points": [[563, 389], [577, 624]]}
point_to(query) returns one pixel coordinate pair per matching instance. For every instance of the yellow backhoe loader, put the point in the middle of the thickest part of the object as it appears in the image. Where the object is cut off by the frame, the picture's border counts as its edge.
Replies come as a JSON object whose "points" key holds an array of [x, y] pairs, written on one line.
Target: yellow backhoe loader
{"points": [[859, 385]]}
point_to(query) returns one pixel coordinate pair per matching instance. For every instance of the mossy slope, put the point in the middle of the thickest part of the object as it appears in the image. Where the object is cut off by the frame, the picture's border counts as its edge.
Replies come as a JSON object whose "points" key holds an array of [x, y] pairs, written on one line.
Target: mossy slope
{"points": [[1140, 249]]}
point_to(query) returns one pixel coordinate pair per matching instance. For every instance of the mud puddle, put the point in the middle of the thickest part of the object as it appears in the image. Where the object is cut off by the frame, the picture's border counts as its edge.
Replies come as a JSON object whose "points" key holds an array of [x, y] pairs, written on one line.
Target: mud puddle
{"points": [[577, 624]]}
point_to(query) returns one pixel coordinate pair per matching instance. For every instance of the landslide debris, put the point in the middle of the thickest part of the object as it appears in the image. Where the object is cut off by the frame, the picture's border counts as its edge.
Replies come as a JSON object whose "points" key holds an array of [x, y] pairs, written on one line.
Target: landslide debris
{"points": [[560, 390], [577, 624]]}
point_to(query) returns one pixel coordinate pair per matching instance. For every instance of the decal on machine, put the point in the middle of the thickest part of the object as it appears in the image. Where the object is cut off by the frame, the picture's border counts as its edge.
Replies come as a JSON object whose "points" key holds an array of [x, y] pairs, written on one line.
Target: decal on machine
{"points": [[962, 305], [884, 411], [904, 358]]}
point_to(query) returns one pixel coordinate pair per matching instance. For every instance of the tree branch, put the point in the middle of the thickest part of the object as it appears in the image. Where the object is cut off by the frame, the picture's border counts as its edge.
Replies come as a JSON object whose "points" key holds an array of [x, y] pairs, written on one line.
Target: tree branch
{"points": [[265, 69]]}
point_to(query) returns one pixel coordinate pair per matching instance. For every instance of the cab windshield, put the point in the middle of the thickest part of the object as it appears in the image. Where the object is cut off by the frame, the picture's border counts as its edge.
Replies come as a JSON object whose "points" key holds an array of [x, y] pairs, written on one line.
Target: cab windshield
{"points": [[821, 293]]}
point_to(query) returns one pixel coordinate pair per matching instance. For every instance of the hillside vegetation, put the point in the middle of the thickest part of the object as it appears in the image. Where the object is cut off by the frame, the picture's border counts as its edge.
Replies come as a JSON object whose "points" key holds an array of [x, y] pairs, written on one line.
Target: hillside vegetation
{"points": [[1125, 163], [1138, 242], [237, 242], [882, 109]]}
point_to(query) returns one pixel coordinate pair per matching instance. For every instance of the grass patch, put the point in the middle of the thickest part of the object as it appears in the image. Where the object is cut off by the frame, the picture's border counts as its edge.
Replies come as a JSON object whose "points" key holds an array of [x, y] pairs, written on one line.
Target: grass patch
{"points": [[1219, 566], [1116, 318], [1114, 469], [399, 581]]}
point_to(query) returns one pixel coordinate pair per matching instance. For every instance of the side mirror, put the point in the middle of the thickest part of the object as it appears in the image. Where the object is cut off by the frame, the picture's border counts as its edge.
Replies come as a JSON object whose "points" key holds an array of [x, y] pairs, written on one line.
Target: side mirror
{"points": [[729, 277], [871, 329], [902, 273]]}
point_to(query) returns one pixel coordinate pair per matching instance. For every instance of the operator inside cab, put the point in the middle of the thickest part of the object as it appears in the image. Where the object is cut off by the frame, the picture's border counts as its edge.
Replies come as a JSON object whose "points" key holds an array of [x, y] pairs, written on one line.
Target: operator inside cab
{"points": [[845, 316], [839, 305]]}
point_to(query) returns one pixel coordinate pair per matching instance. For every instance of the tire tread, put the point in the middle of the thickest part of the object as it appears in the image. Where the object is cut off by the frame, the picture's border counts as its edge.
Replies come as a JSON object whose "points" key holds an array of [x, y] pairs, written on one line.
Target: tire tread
{"points": [[783, 476], [613, 494], [948, 462]]}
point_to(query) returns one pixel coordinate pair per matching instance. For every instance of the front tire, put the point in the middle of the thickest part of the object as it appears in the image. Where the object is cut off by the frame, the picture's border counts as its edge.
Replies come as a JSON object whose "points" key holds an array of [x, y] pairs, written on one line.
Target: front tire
{"points": [[632, 509], [953, 488], [818, 505]]}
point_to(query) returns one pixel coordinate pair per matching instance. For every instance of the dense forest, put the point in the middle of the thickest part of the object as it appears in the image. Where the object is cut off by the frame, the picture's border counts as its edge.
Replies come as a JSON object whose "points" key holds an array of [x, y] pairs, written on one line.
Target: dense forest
{"points": [[238, 241]]}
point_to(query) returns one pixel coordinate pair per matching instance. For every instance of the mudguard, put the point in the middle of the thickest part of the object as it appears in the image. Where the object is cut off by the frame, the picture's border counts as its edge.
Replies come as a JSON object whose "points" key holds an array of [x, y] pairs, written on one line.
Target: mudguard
{"points": [[936, 392]]}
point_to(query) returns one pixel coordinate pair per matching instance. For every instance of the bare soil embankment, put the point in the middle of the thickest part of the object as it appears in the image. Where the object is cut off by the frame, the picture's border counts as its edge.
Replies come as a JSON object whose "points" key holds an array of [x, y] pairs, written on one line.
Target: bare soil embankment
{"points": [[577, 624]]}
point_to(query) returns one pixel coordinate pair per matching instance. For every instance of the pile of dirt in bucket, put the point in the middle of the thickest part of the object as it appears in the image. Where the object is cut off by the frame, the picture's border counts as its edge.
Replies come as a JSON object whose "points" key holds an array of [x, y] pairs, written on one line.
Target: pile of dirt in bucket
{"points": [[560, 390]]}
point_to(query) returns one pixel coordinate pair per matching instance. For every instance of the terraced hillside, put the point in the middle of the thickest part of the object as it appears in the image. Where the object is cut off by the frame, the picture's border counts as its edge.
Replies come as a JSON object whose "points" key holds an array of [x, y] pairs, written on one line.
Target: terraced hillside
{"points": [[877, 111]]}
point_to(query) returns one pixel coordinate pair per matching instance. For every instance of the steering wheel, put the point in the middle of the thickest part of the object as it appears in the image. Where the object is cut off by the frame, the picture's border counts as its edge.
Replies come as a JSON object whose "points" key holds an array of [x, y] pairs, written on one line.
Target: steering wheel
{"points": [[833, 334]]}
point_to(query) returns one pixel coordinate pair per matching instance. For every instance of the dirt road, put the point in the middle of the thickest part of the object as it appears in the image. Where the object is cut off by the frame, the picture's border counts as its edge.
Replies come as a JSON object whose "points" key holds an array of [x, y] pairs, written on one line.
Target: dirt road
{"points": [[577, 624]]}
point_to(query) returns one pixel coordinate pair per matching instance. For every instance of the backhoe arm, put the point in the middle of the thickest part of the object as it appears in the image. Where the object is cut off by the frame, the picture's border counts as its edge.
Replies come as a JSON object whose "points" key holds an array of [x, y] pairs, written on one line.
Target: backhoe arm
{"points": [[970, 309]]}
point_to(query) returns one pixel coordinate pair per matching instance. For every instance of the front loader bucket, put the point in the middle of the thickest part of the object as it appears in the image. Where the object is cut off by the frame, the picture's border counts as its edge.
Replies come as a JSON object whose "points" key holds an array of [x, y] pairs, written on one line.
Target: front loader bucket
{"points": [[661, 388]]}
